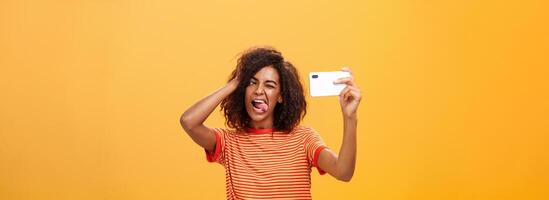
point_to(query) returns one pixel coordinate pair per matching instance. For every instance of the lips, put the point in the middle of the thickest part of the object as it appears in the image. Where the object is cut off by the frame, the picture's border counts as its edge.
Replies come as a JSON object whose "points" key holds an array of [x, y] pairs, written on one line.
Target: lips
{"points": [[260, 105]]}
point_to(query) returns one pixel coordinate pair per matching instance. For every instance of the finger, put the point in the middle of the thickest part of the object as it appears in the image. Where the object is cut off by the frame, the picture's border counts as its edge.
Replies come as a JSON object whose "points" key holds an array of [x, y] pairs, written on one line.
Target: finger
{"points": [[353, 89], [347, 94], [346, 80], [344, 96], [355, 95], [356, 89], [346, 69], [350, 95], [344, 91]]}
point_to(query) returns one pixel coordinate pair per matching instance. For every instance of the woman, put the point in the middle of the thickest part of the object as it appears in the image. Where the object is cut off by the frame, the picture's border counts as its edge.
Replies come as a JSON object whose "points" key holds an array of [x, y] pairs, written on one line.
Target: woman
{"points": [[265, 152]]}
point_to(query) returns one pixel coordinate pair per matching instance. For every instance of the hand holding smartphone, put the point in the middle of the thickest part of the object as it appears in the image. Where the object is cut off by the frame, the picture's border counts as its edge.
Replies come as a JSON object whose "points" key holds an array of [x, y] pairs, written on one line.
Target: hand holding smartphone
{"points": [[322, 83]]}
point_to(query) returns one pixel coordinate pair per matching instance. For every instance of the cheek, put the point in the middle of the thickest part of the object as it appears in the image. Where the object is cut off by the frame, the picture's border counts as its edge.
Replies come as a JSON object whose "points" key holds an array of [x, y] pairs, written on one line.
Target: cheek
{"points": [[247, 98], [273, 96], [248, 92]]}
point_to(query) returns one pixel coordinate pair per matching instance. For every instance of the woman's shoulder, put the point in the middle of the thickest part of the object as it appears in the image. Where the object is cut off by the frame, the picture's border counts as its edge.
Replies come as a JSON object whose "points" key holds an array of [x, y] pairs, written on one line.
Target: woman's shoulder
{"points": [[306, 133], [302, 129]]}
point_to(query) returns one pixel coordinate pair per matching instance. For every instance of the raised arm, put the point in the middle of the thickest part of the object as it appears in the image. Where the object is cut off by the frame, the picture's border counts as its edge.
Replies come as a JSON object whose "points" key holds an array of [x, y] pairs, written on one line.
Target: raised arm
{"points": [[342, 167], [192, 120]]}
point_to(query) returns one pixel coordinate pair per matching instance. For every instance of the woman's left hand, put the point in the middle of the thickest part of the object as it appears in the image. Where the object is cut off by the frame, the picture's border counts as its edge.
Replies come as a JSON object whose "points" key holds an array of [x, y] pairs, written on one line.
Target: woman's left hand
{"points": [[350, 96]]}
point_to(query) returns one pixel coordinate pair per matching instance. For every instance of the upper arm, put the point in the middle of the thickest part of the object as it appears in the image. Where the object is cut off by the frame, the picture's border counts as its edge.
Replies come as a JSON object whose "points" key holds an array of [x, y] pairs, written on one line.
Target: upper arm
{"points": [[201, 135]]}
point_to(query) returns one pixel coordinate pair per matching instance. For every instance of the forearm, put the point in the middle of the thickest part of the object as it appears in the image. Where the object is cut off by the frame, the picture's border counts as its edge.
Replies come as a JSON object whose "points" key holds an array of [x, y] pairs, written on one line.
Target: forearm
{"points": [[345, 165], [199, 112]]}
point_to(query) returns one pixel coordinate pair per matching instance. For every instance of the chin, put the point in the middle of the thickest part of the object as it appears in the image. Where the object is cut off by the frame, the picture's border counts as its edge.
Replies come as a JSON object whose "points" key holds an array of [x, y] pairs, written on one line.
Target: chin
{"points": [[257, 117]]}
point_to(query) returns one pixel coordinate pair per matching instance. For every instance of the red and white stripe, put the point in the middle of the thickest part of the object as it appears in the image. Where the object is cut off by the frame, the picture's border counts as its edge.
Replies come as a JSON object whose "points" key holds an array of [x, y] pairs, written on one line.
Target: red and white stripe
{"points": [[267, 164]]}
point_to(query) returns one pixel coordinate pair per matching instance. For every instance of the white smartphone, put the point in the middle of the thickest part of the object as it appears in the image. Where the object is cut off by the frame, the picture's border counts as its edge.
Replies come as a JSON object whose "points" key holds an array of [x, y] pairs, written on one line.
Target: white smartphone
{"points": [[322, 83]]}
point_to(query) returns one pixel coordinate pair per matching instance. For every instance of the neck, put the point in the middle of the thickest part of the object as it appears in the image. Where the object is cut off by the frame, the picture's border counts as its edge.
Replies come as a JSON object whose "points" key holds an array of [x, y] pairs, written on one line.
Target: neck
{"points": [[261, 126], [265, 124]]}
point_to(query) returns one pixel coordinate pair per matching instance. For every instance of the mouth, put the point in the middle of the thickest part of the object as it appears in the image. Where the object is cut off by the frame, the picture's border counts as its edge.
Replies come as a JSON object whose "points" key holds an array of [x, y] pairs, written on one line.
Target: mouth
{"points": [[260, 106]]}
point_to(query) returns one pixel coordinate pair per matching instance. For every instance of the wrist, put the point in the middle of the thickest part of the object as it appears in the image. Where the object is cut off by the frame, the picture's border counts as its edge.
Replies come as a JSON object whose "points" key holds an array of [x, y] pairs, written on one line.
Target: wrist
{"points": [[349, 117], [350, 120]]}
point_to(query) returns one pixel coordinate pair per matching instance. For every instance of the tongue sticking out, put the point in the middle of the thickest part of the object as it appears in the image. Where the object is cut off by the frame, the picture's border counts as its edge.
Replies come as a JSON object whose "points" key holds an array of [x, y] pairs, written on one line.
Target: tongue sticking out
{"points": [[262, 106]]}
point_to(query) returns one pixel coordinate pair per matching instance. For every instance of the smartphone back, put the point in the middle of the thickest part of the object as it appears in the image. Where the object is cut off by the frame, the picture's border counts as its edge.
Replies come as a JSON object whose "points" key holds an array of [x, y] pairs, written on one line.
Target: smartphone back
{"points": [[322, 83]]}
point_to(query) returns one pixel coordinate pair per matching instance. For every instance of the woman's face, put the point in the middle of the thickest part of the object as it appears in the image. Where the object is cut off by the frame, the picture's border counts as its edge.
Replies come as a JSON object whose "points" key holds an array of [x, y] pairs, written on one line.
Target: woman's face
{"points": [[262, 95]]}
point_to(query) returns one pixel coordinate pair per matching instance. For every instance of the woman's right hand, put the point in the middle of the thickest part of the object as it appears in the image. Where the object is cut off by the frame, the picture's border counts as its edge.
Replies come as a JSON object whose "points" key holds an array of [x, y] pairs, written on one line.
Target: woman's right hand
{"points": [[192, 120], [233, 84]]}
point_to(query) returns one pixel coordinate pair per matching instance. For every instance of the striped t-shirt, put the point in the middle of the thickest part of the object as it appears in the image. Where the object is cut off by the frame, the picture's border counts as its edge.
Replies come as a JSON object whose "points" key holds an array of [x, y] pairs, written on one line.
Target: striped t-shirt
{"points": [[266, 164]]}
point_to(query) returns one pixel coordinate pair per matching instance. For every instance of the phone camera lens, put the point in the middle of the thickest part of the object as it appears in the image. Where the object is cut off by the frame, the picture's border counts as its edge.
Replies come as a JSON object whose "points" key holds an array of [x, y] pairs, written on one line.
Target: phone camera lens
{"points": [[315, 76]]}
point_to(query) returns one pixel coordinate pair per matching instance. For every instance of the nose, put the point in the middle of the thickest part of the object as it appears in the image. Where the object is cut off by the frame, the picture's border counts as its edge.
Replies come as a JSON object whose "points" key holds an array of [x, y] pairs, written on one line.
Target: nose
{"points": [[259, 90]]}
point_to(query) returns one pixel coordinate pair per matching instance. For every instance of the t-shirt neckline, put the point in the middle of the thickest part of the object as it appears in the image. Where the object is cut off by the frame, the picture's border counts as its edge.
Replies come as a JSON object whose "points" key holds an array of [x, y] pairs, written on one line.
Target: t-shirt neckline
{"points": [[259, 130]]}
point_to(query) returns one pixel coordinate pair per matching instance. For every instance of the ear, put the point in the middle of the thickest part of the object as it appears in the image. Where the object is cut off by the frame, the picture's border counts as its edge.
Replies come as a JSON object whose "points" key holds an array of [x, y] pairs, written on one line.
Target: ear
{"points": [[279, 99]]}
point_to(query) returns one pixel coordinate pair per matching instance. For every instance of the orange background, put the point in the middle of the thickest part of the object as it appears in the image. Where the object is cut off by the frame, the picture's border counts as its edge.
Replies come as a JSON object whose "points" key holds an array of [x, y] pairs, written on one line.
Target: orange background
{"points": [[456, 97]]}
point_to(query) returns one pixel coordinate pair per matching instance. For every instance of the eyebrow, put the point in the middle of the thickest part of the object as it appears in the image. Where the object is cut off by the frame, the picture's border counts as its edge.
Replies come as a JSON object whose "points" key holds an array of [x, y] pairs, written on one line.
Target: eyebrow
{"points": [[267, 81]]}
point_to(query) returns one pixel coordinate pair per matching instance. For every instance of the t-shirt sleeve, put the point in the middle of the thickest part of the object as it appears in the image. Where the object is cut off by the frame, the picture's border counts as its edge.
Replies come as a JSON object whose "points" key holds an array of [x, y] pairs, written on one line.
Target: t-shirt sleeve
{"points": [[313, 146], [217, 155]]}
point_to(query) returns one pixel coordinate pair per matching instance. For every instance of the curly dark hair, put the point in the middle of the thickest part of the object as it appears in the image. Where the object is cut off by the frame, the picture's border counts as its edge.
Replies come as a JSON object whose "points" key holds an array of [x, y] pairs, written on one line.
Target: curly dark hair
{"points": [[287, 114]]}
